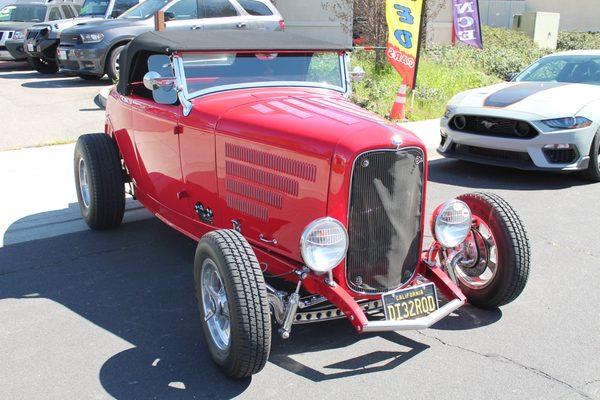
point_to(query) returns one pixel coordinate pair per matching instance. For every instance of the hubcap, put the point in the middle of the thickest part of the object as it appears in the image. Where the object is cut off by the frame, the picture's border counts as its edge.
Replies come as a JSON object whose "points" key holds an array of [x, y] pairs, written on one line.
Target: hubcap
{"points": [[215, 305], [480, 247], [84, 187]]}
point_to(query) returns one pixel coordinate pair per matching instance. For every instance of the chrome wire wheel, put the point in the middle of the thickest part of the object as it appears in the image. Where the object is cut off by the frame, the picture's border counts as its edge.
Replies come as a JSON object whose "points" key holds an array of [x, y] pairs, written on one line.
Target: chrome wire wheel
{"points": [[480, 246], [215, 305], [84, 186]]}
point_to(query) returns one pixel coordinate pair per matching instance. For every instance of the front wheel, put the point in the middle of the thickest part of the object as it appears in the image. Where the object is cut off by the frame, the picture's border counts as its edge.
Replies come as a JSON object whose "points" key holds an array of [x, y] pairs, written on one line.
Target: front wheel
{"points": [[113, 66], [593, 171], [43, 65], [498, 248], [233, 304]]}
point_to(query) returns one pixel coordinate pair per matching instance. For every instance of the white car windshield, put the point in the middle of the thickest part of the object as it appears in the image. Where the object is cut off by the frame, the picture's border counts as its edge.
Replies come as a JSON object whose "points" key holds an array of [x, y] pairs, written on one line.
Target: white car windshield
{"points": [[567, 69], [93, 7], [207, 73], [144, 10]]}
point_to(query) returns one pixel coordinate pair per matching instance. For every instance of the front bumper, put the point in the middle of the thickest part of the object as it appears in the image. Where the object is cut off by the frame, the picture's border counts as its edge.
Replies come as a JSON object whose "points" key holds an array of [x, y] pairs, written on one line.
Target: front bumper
{"points": [[83, 58], [44, 48], [525, 154], [355, 313], [14, 51]]}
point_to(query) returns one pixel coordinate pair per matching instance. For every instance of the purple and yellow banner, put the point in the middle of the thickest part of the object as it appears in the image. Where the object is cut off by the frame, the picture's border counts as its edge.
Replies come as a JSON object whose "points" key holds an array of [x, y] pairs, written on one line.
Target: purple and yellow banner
{"points": [[467, 26], [404, 22]]}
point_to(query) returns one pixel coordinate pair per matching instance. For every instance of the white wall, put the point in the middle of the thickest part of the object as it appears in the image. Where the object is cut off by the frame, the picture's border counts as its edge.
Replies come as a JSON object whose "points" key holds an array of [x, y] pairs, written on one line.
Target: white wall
{"points": [[579, 15], [318, 19]]}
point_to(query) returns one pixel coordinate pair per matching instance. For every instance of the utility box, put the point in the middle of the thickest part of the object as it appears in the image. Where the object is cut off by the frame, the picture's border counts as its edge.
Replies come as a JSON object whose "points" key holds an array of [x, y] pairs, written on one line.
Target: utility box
{"points": [[542, 27]]}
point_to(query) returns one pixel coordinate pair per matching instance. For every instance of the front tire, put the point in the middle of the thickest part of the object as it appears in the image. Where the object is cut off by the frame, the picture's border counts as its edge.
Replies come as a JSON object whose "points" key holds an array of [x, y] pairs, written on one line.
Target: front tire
{"points": [[99, 181], [112, 68], [593, 171], [43, 65], [503, 265], [233, 304]]}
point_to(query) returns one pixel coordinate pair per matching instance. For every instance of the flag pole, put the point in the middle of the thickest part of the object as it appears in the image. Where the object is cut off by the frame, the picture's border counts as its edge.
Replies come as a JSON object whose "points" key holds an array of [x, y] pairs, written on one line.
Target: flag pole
{"points": [[421, 44]]}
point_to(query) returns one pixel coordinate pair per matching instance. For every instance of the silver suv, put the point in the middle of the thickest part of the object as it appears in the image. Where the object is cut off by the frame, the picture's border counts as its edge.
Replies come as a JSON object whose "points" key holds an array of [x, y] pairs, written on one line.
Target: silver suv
{"points": [[92, 49]]}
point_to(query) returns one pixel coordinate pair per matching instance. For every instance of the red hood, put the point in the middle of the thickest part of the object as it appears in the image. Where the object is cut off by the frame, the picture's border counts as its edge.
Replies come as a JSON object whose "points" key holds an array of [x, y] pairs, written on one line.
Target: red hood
{"points": [[312, 121]]}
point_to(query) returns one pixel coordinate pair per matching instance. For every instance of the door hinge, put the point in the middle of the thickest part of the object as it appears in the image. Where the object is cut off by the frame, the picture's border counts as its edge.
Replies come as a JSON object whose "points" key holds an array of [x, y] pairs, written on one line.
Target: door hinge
{"points": [[178, 130]]}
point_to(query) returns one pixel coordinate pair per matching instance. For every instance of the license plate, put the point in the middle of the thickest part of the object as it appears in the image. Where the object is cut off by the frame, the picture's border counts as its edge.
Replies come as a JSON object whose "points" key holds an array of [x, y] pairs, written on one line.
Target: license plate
{"points": [[411, 303], [29, 46], [62, 54]]}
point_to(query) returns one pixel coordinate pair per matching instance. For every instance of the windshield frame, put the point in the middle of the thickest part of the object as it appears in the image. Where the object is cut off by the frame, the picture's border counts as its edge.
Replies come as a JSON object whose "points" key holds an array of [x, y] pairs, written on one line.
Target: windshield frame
{"points": [[179, 69], [539, 61]]}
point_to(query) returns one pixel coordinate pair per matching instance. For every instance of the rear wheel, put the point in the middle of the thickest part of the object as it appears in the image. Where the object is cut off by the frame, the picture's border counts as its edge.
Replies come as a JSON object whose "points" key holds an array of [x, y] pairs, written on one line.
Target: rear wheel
{"points": [[43, 65], [233, 304], [593, 171], [113, 66], [499, 247], [99, 181]]}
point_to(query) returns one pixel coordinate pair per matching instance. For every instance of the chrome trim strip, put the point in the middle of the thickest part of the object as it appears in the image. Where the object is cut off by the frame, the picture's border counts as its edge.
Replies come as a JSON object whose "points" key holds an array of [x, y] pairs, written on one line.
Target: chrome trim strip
{"points": [[415, 324], [348, 217]]}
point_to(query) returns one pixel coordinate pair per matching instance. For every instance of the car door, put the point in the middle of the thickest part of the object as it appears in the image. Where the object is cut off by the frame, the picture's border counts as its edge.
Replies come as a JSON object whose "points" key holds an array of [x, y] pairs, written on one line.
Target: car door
{"points": [[182, 15], [222, 14], [157, 145]]}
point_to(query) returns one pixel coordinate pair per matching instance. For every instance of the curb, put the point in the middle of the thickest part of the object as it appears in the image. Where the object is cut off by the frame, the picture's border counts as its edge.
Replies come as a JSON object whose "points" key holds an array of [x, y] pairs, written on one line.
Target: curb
{"points": [[103, 95]]}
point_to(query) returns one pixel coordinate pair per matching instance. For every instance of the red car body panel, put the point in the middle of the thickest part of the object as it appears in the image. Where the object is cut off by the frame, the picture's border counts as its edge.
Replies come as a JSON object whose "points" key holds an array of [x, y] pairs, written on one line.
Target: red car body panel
{"points": [[295, 145]]}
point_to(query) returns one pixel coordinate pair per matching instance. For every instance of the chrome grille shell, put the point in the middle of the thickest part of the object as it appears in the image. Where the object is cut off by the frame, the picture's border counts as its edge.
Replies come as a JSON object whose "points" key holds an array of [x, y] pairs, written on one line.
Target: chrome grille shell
{"points": [[385, 219]]}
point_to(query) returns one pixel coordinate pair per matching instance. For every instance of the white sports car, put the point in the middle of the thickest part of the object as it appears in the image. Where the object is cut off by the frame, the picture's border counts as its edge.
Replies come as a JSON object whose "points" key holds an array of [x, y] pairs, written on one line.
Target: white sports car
{"points": [[546, 118]]}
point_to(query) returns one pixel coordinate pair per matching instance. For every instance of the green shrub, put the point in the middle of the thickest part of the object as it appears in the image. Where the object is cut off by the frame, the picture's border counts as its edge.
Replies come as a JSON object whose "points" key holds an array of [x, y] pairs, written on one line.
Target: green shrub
{"points": [[579, 41]]}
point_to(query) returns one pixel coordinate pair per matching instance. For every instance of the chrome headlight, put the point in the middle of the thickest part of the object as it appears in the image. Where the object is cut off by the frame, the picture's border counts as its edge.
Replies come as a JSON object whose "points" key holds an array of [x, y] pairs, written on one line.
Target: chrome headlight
{"points": [[451, 223], [568, 123], [92, 37], [324, 244], [19, 35]]}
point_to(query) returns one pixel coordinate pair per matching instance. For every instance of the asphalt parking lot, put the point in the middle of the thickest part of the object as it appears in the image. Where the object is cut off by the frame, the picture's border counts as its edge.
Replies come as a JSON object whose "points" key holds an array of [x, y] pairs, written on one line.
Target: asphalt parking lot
{"points": [[112, 314], [38, 109]]}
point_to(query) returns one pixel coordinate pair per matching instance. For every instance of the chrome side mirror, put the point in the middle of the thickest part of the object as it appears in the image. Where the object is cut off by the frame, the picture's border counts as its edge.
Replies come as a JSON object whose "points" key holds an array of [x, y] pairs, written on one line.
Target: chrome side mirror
{"points": [[151, 80], [357, 74]]}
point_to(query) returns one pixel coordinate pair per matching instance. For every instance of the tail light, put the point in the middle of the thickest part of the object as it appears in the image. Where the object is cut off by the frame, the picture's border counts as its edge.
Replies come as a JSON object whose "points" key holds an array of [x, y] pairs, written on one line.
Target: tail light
{"points": [[281, 24]]}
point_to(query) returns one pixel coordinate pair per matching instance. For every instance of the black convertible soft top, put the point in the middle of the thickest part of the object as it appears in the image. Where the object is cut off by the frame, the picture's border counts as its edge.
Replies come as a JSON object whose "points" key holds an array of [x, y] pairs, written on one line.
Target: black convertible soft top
{"points": [[210, 40]]}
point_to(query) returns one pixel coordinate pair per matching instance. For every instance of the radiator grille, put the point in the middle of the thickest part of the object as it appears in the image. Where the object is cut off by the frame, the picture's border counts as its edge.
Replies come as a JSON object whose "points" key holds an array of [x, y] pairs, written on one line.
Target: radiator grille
{"points": [[384, 223]]}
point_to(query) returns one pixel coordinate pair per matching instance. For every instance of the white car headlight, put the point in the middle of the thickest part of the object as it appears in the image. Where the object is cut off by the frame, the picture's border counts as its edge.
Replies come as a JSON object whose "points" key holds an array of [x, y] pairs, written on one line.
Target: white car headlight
{"points": [[92, 37], [324, 244], [451, 223], [19, 35], [568, 123], [450, 110]]}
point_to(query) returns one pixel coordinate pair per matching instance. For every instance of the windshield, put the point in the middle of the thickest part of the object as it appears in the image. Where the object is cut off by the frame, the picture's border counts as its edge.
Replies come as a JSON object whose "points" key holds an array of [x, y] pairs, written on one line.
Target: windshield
{"points": [[94, 7], [144, 10], [568, 69], [23, 13], [206, 73]]}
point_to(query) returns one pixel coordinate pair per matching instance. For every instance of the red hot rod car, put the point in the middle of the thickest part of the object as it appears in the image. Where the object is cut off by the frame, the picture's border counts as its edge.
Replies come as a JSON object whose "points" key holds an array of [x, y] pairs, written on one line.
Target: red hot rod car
{"points": [[306, 207]]}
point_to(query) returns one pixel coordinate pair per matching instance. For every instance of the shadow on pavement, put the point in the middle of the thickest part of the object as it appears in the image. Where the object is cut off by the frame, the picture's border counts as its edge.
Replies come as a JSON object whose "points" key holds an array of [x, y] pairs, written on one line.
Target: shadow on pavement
{"points": [[461, 173], [65, 83], [137, 283]]}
